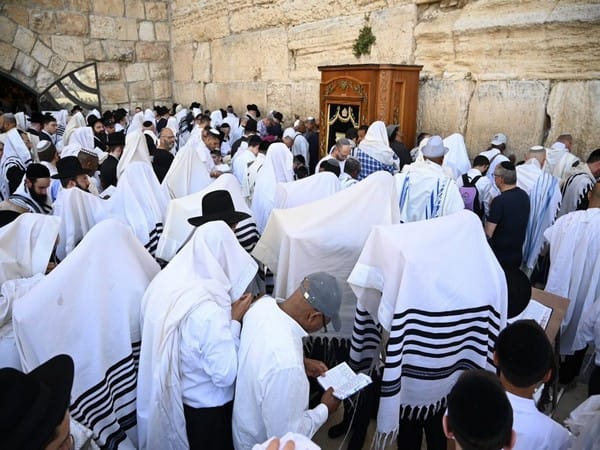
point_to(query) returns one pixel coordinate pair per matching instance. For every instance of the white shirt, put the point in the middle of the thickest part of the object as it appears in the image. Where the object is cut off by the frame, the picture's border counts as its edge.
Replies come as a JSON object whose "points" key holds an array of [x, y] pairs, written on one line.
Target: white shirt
{"points": [[484, 188], [208, 356], [271, 394], [491, 155], [535, 430]]}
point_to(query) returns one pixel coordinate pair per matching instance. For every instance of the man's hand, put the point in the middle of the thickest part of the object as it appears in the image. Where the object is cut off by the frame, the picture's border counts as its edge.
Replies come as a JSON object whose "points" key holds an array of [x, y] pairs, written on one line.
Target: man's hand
{"points": [[330, 401], [314, 368], [239, 307], [276, 443]]}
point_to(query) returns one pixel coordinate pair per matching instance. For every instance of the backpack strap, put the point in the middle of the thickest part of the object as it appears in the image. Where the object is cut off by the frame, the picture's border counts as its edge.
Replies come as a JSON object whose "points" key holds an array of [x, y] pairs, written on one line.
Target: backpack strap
{"points": [[475, 180]]}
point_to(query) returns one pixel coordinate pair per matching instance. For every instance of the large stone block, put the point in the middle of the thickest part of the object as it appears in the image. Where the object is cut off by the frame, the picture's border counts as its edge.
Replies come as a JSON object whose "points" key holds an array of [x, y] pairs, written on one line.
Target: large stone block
{"points": [[94, 51], [102, 27], [140, 90], [71, 23], [50, 4], [135, 9], [8, 29], [162, 31], [42, 21], [119, 50], [515, 108], [26, 65], [159, 71], [393, 29], [17, 13], [69, 47], [573, 108], [273, 54], [57, 64], [199, 24], [9, 54], [183, 62], [136, 72], [44, 78], [24, 39], [156, 10], [127, 29], [109, 71], [444, 106], [81, 6], [147, 51], [261, 15], [219, 95], [114, 93], [279, 97], [41, 53], [202, 63], [109, 7], [162, 90], [236, 58], [147, 31], [188, 92]]}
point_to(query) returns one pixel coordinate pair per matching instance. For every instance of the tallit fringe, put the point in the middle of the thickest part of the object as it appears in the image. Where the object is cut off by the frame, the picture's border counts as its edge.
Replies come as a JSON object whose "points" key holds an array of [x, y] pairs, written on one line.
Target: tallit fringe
{"points": [[335, 349], [383, 440], [408, 412]]}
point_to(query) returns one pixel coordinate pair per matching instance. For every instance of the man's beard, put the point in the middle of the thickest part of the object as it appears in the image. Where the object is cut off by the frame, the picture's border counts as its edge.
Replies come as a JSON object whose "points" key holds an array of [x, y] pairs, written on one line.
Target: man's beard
{"points": [[41, 199]]}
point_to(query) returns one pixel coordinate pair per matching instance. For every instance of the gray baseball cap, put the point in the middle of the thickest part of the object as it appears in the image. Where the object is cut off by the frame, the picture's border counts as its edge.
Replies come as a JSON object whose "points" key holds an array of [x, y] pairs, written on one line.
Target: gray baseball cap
{"points": [[324, 293]]}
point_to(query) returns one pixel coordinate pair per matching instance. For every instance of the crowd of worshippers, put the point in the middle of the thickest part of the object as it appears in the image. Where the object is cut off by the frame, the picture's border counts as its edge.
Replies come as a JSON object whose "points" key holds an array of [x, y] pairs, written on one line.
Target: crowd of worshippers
{"points": [[167, 275]]}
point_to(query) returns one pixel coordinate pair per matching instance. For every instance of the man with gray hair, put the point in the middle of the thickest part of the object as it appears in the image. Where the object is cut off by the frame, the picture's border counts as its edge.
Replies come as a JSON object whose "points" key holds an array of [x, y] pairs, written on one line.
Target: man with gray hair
{"points": [[340, 151]]}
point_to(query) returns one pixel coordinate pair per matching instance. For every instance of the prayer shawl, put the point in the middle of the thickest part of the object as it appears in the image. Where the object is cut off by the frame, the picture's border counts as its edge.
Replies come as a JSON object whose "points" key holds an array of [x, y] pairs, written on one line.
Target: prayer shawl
{"points": [[189, 172], [82, 138], [377, 146], [136, 124], [554, 154], [77, 121], [277, 168], [441, 319], [177, 230], [149, 116], [79, 212], [575, 189], [135, 149], [306, 190], [316, 237], [425, 191], [565, 165], [16, 155], [22, 198], [544, 199], [574, 270], [457, 158], [211, 267], [240, 163], [26, 245], [253, 171], [93, 316], [141, 202]]}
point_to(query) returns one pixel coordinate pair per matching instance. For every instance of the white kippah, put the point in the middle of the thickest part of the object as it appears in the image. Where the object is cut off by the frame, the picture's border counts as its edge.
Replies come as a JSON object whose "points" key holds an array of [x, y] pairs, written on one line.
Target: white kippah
{"points": [[43, 146]]}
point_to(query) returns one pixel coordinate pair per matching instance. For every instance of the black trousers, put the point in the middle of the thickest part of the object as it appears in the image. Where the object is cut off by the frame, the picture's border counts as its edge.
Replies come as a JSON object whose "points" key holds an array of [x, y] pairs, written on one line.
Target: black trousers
{"points": [[594, 383], [410, 433], [209, 428], [571, 366]]}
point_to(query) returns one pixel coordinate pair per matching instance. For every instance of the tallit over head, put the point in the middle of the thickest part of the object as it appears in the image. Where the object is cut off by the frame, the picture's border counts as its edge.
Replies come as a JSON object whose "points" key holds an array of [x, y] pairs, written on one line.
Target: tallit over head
{"points": [[136, 149], [306, 190], [15, 154], [77, 121], [376, 144], [457, 158]]}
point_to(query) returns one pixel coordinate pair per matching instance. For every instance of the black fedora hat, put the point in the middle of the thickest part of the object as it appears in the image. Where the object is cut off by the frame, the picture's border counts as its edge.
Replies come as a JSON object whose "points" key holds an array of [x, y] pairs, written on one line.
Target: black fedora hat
{"points": [[117, 138], [218, 205], [68, 167], [7, 216], [36, 117], [33, 405], [519, 291]]}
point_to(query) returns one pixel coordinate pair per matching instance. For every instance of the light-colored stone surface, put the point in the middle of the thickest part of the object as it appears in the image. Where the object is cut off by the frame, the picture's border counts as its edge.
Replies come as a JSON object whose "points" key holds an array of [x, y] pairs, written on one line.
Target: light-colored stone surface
{"points": [[237, 94], [159, 71], [147, 31], [41, 53], [8, 29], [127, 29], [94, 51], [17, 13], [57, 64], [109, 7], [574, 108], [187, 92], [139, 90], [71, 23], [41, 21], [182, 69], [135, 9], [44, 78], [9, 54], [146, 51], [136, 72], [69, 47], [114, 92], [202, 67], [161, 30], [24, 39], [103, 27], [109, 71], [26, 65], [162, 90], [119, 50], [156, 10]]}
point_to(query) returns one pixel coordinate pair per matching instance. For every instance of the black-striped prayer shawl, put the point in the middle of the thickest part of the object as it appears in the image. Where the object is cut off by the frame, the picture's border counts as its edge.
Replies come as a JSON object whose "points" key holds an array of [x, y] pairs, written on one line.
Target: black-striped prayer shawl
{"points": [[31, 205], [153, 238], [575, 190]]}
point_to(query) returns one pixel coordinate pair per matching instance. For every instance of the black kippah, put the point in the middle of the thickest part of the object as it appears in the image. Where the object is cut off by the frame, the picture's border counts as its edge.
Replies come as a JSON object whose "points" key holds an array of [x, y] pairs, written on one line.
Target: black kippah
{"points": [[508, 165], [35, 171]]}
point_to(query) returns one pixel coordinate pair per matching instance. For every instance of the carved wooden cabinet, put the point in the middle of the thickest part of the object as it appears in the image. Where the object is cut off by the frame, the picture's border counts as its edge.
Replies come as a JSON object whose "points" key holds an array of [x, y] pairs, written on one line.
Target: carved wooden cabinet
{"points": [[354, 95]]}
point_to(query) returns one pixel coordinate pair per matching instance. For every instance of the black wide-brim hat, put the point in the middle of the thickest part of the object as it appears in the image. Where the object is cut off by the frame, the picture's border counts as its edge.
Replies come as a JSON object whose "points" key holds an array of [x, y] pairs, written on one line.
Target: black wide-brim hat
{"points": [[519, 291], [36, 117], [218, 205], [33, 405], [68, 167]]}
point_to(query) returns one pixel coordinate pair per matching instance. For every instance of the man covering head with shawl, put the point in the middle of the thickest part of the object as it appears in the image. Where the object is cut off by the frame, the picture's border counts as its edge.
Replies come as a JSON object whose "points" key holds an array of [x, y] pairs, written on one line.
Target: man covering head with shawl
{"points": [[77, 121], [13, 163], [136, 149], [181, 323], [374, 152]]}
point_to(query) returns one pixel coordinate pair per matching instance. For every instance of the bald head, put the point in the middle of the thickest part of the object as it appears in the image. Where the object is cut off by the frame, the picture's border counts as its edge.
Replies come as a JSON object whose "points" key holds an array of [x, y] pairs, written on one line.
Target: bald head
{"points": [[167, 139]]}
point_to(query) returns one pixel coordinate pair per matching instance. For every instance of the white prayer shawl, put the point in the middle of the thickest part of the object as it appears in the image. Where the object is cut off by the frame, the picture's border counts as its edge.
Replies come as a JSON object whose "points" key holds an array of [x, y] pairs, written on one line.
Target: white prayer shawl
{"points": [[579, 182], [437, 328], [26, 245], [216, 118], [189, 172], [172, 125], [82, 138], [60, 116], [316, 237], [234, 123], [565, 165], [22, 197], [77, 121], [15, 154], [250, 181], [177, 230], [136, 149], [141, 202], [425, 191], [137, 123], [96, 320], [93, 112], [149, 116], [22, 122], [574, 270], [277, 168], [79, 212], [211, 267], [376, 144], [544, 200], [241, 160], [457, 157], [306, 190]]}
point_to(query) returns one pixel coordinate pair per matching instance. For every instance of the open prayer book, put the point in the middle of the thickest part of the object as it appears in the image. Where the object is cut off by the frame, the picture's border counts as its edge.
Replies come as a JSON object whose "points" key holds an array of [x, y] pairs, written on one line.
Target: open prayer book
{"points": [[344, 381], [535, 311]]}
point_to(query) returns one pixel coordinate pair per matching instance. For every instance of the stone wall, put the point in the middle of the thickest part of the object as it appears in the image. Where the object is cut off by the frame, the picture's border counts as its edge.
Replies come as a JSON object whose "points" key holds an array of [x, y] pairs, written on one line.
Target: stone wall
{"points": [[41, 40], [528, 68]]}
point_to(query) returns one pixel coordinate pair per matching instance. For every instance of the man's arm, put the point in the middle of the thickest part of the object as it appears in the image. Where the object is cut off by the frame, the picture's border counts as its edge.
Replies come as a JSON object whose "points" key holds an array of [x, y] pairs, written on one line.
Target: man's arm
{"points": [[490, 227]]}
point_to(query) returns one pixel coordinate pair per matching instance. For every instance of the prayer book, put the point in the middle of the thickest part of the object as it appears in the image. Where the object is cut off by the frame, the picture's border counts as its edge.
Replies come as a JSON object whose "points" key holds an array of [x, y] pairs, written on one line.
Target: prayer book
{"points": [[344, 381], [535, 311]]}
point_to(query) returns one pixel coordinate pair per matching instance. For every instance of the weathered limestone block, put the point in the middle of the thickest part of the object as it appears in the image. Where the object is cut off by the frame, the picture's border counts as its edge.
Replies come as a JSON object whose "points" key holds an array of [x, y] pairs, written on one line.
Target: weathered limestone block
{"points": [[50, 4], [127, 29], [119, 50], [183, 61], [57, 64], [17, 13], [305, 99], [94, 51], [260, 15], [146, 51], [44, 78], [69, 47], [135, 9], [109, 71], [273, 54], [8, 29], [147, 31], [444, 106], [114, 93], [279, 97], [202, 63], [515, 108], [82, 6], [199, 24], [573, 108], [188, 92], [136, 72], [393, 29], [159, 71], [140, 90], [102, 27], [109, 7], [24, 39], [41, 21], [41, 53], [162, 90], [71, 23], [9, 54], [26, 65], [162, 31], [239, 94], [156, 10]]}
